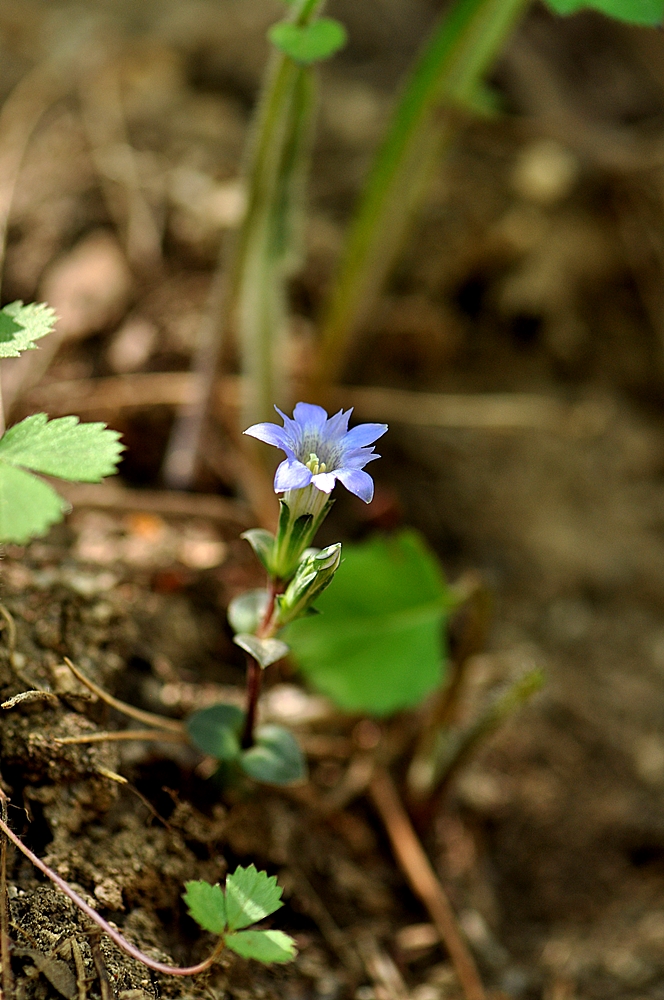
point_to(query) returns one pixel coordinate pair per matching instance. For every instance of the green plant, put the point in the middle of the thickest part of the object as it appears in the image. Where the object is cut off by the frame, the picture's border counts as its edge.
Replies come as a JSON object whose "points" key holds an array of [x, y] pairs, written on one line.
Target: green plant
{"points": [[248, 897], [62, 448]]}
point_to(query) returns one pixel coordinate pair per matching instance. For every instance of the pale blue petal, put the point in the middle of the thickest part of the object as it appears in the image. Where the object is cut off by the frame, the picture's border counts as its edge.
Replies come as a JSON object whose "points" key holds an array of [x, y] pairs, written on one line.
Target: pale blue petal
{"points": [[358, 458], [310, 417], [291, 475], [363, 434], [357, 482], [337, 425], [271, 434], [293, 429], [324, 481]]}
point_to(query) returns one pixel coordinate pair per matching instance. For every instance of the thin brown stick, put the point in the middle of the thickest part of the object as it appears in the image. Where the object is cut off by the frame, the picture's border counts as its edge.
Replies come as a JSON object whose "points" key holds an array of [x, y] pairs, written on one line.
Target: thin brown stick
{"points": [[149, 718], [30, 99], [7, 978], [166, 503], [116, 162], [100, 966], [423, 881], [184, 444], [124, 734], [483, 411]]}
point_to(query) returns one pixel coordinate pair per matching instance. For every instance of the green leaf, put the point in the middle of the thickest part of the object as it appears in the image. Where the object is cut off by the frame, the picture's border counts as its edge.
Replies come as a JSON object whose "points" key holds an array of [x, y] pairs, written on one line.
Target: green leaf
{"points": [[309, 43], [21, 325], [207, 905], [378, 645], [264, 946], [245, 612], [275, 758], [262, 542], [28, 506], [216, 730], [62, 447], [264, 651], [250, 896], [646, 12]]}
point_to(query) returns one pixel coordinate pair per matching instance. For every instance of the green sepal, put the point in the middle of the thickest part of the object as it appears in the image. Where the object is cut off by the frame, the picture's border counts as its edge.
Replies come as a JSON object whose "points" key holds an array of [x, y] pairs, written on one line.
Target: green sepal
{"points": [[216, 730], [275, 758], [268, 947], [207, 905], [262, 542], [246, 611], [264, 651], [313, 575], [251, 895], [309, 43]]}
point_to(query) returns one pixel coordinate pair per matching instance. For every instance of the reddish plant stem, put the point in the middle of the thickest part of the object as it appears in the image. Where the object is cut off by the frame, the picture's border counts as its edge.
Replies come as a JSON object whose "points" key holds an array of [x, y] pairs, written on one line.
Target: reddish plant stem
{"points": [[254, 682], [7, 990], [120, 941], [254, 670]]}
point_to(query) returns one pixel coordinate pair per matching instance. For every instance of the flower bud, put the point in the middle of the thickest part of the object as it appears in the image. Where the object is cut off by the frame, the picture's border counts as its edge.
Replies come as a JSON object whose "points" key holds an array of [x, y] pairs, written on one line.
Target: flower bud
{"points": [[312, 576]]}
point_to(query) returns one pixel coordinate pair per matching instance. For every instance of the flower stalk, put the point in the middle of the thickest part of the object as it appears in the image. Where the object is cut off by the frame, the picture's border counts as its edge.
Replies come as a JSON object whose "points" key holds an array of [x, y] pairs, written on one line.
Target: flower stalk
{"points": [[320, 451]]}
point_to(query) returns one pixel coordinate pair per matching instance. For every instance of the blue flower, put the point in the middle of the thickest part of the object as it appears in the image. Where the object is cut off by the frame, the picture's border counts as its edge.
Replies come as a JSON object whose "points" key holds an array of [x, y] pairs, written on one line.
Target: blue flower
{"points": [[321, 450]]}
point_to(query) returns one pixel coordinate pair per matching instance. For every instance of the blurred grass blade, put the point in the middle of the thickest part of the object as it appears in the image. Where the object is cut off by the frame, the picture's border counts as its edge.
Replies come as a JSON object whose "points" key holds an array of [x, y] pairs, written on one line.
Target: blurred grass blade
{"points": [[268, 251], [448, 72], [453, 747]]}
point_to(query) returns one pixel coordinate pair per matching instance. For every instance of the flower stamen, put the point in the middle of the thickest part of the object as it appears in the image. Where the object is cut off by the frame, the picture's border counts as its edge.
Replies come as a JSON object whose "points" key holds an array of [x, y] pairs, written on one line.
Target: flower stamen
{"points": [[314, 464]]}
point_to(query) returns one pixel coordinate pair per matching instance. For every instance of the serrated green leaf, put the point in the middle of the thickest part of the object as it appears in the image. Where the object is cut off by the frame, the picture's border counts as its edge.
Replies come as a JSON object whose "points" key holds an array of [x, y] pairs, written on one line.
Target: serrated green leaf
{"points": [[21, 325], [63, 447], [264, 651], [275, 758], [216, 730], [28, 506], [245, 612], [207, 905], [378, 645], [265, 946], [646, 12], [309, 43], [250, 896]]}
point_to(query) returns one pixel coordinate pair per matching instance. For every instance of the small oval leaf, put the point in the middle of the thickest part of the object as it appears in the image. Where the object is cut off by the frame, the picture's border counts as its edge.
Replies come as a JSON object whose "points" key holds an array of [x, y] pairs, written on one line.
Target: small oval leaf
{"points": [[245, 612], [216, 730], [309, 43], [275, 758], [264, 651]]}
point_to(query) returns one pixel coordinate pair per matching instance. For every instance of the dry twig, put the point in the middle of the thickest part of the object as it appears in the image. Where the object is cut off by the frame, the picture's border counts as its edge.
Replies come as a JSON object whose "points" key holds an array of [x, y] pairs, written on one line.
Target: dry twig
{"points": [[423, 881]]}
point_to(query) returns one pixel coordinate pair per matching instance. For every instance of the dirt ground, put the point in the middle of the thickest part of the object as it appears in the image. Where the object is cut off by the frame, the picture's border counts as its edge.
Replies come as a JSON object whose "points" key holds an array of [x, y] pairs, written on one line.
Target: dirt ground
{"points": [[535, 272]]}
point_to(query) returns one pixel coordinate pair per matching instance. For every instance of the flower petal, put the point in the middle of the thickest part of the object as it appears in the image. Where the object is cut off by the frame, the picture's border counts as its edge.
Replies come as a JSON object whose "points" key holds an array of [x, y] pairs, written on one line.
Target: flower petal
{"points": [[337, 425], [363, 434], [270, 433], [358, 458], [357, 482], [291, 475], [310, 417], [324, 481], [293, 430]]}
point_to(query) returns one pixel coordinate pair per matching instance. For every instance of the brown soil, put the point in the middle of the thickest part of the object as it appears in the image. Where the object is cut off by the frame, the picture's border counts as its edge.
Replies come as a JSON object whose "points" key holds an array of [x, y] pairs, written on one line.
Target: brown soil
{"points": [[536, 268]]}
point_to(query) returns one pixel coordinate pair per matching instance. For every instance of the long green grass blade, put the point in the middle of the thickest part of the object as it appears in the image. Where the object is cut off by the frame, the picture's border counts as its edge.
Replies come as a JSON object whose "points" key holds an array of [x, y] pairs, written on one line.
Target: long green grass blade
{"points": [[267, 251], [448, 73]]}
